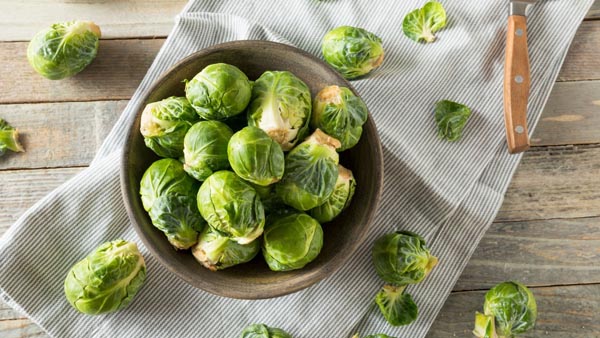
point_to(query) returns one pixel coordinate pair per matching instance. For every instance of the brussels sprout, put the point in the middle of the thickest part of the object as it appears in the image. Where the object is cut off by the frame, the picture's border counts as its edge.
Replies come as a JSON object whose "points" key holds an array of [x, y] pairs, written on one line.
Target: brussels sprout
{"points": [[163, 177], [263, 331], [107, 279], [268, 196], [205, 149], [178, 217], [255, 157], [64, 49], [420, 24], [352, 51], [165, 123], [231, 207], [484, 326], [281, 107], [397, 306], [310, 172], [341, 114], [217, 252], [340, 198], [291, 241], [402, 258], [9, 139], [451, 118], [219, 91], [513, 307]]}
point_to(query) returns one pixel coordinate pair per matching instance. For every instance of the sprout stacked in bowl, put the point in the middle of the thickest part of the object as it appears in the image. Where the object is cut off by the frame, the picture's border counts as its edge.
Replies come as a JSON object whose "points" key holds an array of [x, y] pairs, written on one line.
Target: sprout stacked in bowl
{"points": [[249, 165]]}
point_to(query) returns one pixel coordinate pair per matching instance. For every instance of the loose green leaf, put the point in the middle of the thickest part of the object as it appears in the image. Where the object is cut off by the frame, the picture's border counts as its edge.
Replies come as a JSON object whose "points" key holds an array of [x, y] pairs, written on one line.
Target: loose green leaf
{"points": [[352, 51], [263, 331], [402, 258], [9, 139], [64, 49], [451, 118], [513, 307], [397, 306], [421, 24], [107, 279], [484, 326]]}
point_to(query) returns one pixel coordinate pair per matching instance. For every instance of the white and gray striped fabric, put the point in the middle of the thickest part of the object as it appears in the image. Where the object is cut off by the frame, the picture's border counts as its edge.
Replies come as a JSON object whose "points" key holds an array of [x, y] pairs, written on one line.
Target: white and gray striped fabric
{"points": [[448, 192]]}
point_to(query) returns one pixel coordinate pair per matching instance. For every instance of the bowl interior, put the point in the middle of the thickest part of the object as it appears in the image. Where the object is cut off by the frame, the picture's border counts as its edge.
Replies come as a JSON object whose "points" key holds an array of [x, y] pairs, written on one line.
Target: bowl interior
{"points": [[254, 280]]}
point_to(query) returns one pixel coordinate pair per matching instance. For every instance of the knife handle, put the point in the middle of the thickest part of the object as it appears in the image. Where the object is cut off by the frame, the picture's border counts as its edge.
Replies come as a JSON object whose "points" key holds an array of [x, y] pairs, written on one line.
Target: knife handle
{"points": [[516, 85]]}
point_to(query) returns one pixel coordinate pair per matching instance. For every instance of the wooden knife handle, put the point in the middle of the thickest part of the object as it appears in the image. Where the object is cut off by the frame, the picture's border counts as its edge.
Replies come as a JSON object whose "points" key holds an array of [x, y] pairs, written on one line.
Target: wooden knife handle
{"points": [[516, 85]]}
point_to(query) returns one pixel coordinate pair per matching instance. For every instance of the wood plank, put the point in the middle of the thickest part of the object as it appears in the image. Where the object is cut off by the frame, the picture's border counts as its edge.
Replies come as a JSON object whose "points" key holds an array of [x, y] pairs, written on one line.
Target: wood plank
{"points": [[20, 328], [571, 116], [20, 20], [582, 61], [121, 65], [537, 253], [68, 134], [594, 12], [564, 311], [555, 182], [115, 74]]}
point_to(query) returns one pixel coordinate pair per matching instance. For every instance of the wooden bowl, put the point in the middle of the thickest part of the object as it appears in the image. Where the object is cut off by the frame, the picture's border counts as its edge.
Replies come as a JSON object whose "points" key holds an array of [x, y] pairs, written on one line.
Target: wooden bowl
{"points": [[254, 280]]}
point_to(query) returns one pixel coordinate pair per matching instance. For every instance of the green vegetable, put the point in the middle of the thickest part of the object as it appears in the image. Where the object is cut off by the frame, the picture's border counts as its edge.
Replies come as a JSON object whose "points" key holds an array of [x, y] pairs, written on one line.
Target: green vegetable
{"points": [[107, 279], [484, 326], [310, 172], [63, 49], [339, 113], [451, 118], [402, 258], [268, 196], [340, 198], [219, 91], [217, 252], [352, 51], [165, 123], [231, 207], [291, 241], [205, 149], [397, 306], [513, 307], [178, 217], [163, 177], [9, 139], [281, 106], [263, 331], [421, 24], [255, 157]]}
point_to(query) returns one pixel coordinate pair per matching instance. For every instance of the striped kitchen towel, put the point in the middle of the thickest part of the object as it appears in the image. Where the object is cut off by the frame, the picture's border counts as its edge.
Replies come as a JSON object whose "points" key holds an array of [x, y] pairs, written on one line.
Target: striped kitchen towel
{"points": [[448, 192]]}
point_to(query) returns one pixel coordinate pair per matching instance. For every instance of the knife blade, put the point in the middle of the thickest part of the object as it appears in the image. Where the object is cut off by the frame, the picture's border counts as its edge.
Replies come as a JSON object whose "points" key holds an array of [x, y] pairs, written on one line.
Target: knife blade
{"points": [[517, 77]]}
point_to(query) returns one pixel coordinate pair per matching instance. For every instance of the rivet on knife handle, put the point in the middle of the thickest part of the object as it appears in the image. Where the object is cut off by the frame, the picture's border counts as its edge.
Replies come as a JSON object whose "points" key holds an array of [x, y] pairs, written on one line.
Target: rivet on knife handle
{"points": [[516, 85]]}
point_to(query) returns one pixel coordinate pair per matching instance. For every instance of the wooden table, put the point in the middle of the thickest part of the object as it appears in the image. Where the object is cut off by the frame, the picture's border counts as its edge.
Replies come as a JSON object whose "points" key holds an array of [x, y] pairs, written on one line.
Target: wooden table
{"points": [[546, 235]]}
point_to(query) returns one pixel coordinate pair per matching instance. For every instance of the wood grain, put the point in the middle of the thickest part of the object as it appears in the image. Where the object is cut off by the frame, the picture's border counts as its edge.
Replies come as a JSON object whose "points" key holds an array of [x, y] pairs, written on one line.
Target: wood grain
{"points": [[594, 12], [516, 85], [121, 65], [564, 311], [117, 19], [554, 182]]}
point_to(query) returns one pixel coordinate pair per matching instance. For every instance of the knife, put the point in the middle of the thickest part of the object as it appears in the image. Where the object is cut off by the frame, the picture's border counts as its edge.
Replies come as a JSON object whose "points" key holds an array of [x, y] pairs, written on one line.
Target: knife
{"points": [[517, 77]]}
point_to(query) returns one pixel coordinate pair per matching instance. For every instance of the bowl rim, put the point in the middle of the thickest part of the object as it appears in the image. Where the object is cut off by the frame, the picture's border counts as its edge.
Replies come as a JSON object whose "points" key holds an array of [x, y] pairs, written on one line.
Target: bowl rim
{"points": [[330, 267]]}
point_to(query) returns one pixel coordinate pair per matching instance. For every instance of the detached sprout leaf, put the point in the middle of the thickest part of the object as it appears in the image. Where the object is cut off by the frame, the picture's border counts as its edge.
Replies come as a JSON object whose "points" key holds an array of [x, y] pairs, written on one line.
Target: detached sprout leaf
{"points": [[484, 326], [352, 51], [421, 24], [165, 123], [219, 91], [402, 258], [107, 279], [64, 49], [217, 252], [205, 149], [263, 331], [231, 207], [291, 241], [513, 306], [451, 118], [9, 139], [281, 106], [397, 306]]}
